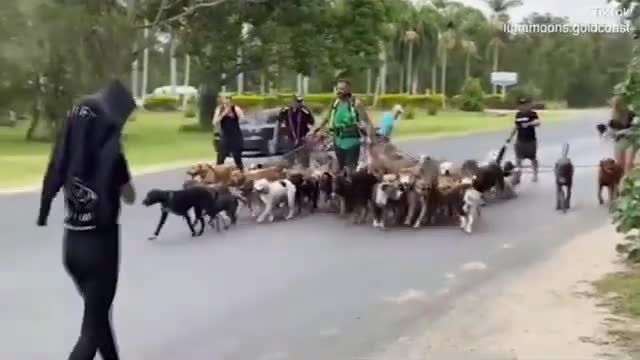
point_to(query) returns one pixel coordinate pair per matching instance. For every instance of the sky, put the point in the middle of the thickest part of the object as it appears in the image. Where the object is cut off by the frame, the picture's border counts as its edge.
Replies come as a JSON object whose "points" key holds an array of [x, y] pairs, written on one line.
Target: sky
{"points": [[578, 11]]}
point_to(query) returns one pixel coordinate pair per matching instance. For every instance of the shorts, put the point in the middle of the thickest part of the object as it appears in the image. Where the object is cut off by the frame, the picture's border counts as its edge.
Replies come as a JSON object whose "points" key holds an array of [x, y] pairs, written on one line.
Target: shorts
{"points": [[526, 149], [348, 158]]}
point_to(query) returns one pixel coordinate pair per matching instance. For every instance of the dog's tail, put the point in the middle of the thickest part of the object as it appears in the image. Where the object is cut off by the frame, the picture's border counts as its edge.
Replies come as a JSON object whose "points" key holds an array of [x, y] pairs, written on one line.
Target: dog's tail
{"points": [[565, 150]]}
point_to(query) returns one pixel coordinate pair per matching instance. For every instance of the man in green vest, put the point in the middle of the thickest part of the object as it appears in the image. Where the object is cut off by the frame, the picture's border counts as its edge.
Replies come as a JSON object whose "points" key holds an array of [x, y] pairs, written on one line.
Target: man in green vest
{"points": [[347, 120]]}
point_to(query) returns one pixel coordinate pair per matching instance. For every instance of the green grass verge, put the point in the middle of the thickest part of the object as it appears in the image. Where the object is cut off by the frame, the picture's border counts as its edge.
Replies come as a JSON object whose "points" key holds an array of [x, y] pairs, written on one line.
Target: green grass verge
{"points": [[621, 292], [154, 139]]}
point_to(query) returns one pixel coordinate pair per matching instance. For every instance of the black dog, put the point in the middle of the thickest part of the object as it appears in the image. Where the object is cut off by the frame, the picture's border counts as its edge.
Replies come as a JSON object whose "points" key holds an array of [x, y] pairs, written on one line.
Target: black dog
{"points": [[563, 171], [307, 188], [179, 202], [224, 201]]}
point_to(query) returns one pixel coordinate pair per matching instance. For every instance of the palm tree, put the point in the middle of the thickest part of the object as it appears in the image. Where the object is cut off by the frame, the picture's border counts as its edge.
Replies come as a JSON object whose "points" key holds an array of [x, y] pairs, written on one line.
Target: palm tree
{"points": [[499, 17], [470, 50], [447, 42], [411, 38]]}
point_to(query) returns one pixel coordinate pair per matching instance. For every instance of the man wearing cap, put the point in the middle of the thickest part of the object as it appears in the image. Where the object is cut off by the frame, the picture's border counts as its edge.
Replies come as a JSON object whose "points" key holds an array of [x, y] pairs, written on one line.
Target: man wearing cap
{"points": [[526, 145], [294, 122], [388, 122]]}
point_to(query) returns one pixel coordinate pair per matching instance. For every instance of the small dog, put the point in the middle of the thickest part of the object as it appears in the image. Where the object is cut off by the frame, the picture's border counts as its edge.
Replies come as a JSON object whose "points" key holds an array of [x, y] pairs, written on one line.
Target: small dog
{"points": [[609, 176], [307, 190], [274, 193], [387, 196], [211, 174], [471, 204], [563, 172], [179, 202]]}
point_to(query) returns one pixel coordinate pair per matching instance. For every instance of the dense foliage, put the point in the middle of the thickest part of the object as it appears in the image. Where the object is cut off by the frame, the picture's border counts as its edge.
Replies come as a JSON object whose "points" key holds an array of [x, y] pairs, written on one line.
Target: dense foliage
{"points": [[54, 51]]}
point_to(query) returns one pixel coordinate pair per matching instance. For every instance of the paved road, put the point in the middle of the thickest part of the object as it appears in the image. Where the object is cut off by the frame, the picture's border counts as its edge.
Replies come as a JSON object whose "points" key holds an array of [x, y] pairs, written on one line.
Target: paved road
{"points": [[313, 288]]}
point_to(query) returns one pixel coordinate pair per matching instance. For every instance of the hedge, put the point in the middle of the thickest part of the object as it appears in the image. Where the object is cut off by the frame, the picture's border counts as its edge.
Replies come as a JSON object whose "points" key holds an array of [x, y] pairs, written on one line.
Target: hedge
{"points": [[316, 102]]}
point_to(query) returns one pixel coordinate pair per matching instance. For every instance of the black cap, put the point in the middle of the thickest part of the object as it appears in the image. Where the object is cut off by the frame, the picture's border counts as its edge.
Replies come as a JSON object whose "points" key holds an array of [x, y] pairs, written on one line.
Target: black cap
{"points": [[524, 100]]}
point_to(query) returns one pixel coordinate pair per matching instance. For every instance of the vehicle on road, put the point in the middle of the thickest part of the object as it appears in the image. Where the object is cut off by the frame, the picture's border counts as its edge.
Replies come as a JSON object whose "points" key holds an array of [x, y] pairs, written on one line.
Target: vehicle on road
{"points": [[258, 130]]}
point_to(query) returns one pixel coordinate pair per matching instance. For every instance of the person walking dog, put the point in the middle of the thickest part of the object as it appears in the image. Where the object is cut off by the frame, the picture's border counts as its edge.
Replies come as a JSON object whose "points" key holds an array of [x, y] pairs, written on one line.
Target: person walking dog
{"points": [[227, 118], [89, 164]]}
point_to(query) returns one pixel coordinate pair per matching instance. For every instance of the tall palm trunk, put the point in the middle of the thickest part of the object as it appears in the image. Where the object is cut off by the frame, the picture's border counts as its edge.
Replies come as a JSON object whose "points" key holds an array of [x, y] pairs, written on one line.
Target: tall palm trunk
{"points": [[443, 79], [240, 76], [145, 63], [414, 81], [263, 83], [382, 74], [299, 83], [401, 79], [434, 78], [305, 85], [135, 82], [496, 53], [369, 80], [467, 66], [173, 65], [410, 67], [187, 78]]}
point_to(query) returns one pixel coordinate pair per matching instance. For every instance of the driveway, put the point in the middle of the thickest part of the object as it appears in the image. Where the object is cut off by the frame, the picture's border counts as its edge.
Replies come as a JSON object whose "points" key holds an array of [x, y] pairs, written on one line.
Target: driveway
{"points": [[315, 288]]}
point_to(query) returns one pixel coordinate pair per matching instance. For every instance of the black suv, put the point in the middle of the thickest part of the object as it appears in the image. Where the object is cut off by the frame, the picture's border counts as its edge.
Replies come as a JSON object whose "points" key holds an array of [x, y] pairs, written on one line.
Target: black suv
{"points": [[258, 130]]}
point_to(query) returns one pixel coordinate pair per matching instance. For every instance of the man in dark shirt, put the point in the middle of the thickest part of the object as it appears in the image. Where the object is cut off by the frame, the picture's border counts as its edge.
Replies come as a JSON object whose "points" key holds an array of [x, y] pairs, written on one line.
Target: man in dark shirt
{"points": [[295, 122], [526, 145]]}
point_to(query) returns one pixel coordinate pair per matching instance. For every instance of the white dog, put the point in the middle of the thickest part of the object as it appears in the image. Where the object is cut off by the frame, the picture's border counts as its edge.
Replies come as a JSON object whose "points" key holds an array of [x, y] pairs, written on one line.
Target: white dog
{"points": [[446, 167], [272, 194], [472, 202]]}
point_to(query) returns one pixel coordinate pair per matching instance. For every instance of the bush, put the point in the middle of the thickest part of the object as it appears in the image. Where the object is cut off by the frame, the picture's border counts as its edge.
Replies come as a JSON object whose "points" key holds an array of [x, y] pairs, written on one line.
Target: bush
{"points": [[415, 101], [526, 90], [409, 114], [190, 112], [433, 110], [456, 101], [471, 96], [255, 101], [495, 102], [162, 103], [626, 215]]}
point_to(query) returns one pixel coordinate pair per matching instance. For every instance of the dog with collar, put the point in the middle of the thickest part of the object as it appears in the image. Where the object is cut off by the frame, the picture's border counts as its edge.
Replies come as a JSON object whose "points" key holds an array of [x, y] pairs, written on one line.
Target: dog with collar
{"points": [[470, 211], [179, 202], [563, 172], [274, 193], [609, 175], [388, 199]]}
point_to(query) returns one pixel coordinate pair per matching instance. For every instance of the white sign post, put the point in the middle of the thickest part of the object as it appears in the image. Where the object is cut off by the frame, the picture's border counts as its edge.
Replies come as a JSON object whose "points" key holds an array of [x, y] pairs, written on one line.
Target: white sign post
{"points": [[504, 79]]}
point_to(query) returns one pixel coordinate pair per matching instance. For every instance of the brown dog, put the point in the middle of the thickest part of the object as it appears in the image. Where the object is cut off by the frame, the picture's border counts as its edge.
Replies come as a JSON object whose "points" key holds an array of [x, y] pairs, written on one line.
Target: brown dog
{"points": [[609, 176], [211, 174]]}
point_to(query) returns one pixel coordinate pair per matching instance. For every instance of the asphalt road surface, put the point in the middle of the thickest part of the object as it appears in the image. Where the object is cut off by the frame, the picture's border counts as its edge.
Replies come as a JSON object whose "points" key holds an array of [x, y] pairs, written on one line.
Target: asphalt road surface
{"points": [[314, 288]]}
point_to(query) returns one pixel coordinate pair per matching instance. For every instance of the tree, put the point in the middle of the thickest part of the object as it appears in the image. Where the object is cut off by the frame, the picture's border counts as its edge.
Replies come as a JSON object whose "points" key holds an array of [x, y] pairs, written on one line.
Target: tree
{"points": [[499, 18]]}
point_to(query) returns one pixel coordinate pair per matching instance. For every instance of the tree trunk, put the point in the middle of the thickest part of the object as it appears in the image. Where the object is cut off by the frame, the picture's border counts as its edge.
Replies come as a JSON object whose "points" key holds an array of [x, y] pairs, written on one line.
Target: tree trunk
{"points": [[240, 77], [378, 90], [35, 110], [173, 66], [496, 53], [207, 104], [382, 73], [145, 64], [305, 85], [443, 80], [187, 76], [299, 83], [401, 79], [263, 83], [410, 67], [467, 66], [135, 73], [369, 80], [414, 81], [434, 78]]}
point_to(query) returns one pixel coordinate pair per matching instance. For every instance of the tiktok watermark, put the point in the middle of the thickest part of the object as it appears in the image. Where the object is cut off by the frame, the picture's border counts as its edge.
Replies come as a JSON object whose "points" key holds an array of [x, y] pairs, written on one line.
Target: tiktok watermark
{"points": [[610, 12]]}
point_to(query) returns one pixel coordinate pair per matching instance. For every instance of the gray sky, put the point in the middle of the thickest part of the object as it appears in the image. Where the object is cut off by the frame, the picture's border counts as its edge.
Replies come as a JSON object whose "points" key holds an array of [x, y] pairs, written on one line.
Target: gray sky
{"points": [[578, 11]]}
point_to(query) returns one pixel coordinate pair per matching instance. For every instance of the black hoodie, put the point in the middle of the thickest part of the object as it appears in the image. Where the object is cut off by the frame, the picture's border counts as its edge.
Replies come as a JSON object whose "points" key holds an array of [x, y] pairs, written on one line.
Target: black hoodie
{"points": [[83, 158]]}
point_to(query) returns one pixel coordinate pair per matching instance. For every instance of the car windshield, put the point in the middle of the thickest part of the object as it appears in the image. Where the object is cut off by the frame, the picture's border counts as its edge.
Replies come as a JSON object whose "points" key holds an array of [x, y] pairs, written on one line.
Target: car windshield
{"points": [[262, 117]]}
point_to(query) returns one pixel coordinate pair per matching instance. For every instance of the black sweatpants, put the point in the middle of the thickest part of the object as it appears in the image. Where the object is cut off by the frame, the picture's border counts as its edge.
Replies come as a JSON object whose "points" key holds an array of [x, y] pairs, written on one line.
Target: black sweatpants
{"points": [[92, 260], [348, 158], [230, 147]]}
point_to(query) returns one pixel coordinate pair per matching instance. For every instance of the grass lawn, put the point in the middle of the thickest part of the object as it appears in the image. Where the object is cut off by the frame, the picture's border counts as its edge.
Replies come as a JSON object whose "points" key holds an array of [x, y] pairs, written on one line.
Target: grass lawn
{"points": [[153, 139], [626, 287]]}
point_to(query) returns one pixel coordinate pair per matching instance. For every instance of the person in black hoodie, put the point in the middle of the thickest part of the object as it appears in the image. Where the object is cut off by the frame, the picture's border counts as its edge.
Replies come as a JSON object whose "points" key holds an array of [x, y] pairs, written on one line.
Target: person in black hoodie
{"points": [[88, 163]]}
